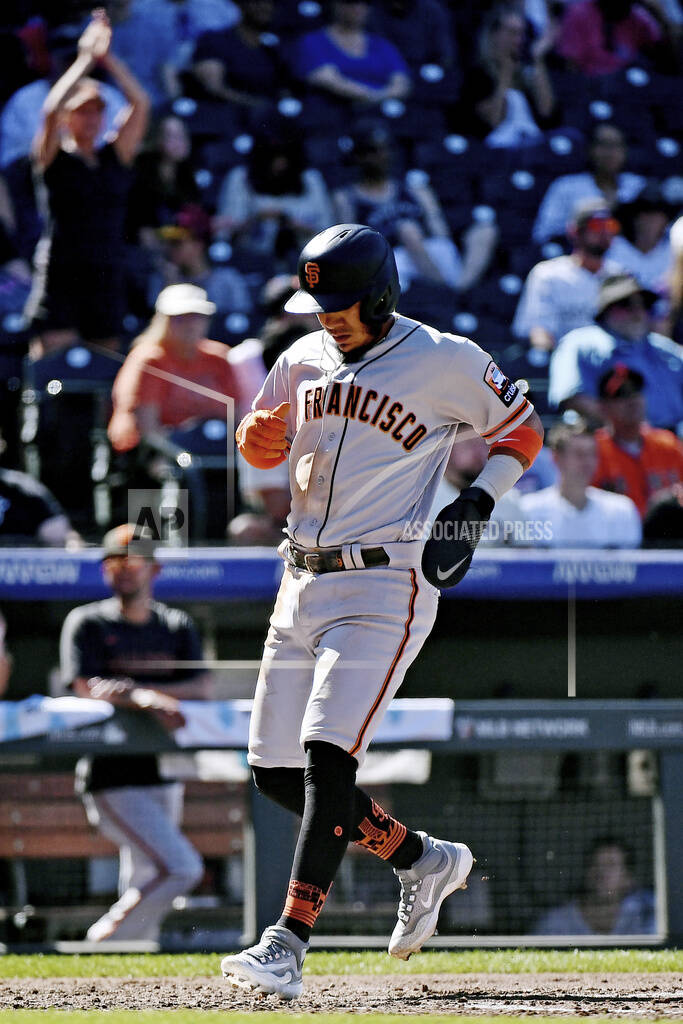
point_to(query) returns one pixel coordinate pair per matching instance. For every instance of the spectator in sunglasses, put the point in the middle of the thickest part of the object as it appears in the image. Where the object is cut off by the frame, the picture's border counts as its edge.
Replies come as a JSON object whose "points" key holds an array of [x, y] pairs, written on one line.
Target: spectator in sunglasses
{"points": [[560, 294]]}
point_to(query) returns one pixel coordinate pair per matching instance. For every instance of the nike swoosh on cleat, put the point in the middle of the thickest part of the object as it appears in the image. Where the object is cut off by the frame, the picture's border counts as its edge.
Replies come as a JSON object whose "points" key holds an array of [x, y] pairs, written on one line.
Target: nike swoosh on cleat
{"points": [[428, 902], [447, 572]]}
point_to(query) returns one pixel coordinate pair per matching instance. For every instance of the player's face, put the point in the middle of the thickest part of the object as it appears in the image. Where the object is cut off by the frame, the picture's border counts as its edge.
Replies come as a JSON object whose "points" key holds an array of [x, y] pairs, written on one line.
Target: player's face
{"points": [[608, 875], [129, 575], [579, 460], [346, 328], [188, 328], [626, 412], [629, 318], [174, 140], [608, 150], [351, 13], [85, 122], [597, 234]]}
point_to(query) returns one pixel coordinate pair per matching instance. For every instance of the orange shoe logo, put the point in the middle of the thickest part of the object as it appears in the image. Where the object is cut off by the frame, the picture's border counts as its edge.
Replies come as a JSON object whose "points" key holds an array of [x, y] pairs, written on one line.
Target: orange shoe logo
{"points": [[312, 272]]}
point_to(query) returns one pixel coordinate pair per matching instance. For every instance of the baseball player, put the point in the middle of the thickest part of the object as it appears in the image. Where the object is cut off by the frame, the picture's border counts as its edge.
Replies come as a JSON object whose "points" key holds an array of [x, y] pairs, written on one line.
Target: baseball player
{"points": [[365, 409], [106, 651]]}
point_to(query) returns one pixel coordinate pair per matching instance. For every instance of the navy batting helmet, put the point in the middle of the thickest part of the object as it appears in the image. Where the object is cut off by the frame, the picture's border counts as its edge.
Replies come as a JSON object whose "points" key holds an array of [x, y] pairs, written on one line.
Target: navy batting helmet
{"points": [[345, 264]]}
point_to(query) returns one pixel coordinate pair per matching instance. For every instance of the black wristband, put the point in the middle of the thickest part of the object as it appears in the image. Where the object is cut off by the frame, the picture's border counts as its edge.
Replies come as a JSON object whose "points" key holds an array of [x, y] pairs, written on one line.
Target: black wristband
{"points": [[481, 498]]}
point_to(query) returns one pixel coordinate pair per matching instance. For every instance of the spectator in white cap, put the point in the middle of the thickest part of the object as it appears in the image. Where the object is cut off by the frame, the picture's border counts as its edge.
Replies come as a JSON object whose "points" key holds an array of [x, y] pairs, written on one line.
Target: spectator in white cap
{"points": [[173, 372]]}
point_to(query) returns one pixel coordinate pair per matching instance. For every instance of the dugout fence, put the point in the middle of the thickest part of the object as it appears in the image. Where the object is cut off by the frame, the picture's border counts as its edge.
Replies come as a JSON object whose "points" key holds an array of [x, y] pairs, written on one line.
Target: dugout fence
{"points": [[529, 785]]}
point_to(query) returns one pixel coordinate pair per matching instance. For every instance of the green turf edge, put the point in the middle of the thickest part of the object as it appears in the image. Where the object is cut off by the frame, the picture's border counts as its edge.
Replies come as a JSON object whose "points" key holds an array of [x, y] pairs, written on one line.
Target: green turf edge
{"points": [[503, 961], [223, 1017]]}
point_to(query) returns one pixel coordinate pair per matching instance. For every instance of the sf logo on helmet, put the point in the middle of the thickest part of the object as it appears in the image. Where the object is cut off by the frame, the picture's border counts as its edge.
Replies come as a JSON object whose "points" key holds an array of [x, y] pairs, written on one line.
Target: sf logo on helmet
{"points": [[312, 272]]}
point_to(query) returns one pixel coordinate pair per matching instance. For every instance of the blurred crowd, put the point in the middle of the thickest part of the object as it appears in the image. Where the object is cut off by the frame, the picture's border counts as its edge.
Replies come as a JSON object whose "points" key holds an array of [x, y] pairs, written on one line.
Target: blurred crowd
{"points": [[162, 162]]}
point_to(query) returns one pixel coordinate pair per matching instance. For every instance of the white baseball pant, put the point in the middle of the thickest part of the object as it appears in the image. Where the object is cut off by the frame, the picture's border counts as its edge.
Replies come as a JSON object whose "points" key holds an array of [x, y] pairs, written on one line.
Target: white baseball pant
{"points": [[337, 651], [156, 861]]}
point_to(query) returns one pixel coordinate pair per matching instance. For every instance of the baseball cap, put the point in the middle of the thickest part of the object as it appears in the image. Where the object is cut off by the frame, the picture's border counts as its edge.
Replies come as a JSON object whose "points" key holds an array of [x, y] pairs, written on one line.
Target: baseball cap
{"points": [[620, 381], [619, 287], [178, 299], [190, 222], [86, 90], [593, 209], [128, 539]]}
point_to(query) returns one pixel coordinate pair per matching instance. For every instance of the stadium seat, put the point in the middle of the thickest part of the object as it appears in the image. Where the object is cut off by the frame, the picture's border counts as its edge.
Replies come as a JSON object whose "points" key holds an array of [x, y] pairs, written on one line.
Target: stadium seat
{"points": [[492, 334], [463, 157], [496, 297], [561, 152], [201, 458], [522, 256], [66, 406], [409, 121], [234, 327], [434, 86], [658, 158], [450, 186], [205, 118], [433, 303]]}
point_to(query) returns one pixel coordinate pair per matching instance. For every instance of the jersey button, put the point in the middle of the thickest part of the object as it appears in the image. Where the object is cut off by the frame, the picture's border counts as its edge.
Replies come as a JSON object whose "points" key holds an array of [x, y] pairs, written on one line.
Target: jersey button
{"points": [[331, 437], [314, 522], [321, 479]]}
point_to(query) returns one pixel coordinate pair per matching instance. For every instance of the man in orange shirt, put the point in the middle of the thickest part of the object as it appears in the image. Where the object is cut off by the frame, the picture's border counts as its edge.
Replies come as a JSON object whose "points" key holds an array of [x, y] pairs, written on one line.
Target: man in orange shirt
{"points": [[172, 373], [633, 458]]}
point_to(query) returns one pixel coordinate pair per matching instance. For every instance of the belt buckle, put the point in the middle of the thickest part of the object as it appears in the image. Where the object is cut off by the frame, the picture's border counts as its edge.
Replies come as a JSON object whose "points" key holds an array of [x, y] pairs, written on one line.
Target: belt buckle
{"points": [[313, 562]]}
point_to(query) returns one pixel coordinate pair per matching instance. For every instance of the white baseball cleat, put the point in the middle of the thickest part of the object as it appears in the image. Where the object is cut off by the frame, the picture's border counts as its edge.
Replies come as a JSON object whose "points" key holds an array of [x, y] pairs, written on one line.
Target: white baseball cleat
{"points": [[442, 868], [272, 966]]}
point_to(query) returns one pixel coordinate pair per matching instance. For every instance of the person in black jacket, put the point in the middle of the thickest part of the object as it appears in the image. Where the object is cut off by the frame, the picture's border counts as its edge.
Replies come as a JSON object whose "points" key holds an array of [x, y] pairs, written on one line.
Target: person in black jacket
{"points": [[80, 262]]}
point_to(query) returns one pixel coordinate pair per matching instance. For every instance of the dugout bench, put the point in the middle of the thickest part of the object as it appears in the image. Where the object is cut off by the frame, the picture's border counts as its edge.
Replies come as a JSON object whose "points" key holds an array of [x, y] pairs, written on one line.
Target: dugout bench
{"points": [[42, 819]]}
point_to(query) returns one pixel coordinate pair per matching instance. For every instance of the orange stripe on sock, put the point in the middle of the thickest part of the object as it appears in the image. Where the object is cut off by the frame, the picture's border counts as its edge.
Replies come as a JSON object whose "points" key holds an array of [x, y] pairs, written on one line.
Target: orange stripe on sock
{"points": [[394, 841], [392, 667], [300, 911], [304, 902], [382, 842]]}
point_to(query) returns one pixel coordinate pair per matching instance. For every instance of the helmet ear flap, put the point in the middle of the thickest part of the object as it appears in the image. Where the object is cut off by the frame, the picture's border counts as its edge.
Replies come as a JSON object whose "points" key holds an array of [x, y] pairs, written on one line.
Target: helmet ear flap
{"points": [[376, 306], [373, 310]]}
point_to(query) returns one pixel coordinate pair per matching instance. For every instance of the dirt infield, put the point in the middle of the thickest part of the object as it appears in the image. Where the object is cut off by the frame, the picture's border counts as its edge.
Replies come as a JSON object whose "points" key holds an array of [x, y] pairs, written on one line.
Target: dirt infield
{"points": [[623, 995]]}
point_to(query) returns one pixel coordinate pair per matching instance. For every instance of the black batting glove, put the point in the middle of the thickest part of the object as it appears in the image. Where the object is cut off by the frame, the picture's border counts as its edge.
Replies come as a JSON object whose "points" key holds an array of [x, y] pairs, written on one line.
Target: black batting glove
{"points": [[455, 534]]}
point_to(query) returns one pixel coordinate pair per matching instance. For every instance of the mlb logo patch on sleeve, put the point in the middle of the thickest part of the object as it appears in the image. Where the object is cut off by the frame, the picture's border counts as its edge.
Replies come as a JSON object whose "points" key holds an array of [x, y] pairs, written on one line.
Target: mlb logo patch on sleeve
{"points": [[502, 385]]}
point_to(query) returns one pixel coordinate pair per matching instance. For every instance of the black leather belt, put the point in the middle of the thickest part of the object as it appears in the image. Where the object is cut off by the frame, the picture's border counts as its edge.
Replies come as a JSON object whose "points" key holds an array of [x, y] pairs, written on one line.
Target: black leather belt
{"points": [[330, 559]]}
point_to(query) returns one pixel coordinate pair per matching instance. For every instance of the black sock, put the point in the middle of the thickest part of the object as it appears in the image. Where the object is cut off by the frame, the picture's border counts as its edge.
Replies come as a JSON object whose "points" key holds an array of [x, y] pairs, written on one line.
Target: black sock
{"points": [[373, 828], [326, 826]]}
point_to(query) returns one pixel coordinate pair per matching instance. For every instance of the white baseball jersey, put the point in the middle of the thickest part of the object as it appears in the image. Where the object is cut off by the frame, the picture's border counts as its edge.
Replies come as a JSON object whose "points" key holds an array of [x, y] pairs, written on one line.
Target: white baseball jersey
{"points": [[369, 444], [370, 439]]}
